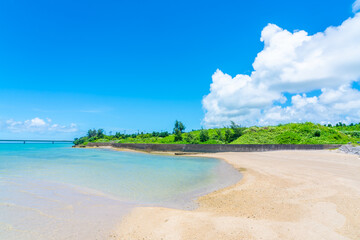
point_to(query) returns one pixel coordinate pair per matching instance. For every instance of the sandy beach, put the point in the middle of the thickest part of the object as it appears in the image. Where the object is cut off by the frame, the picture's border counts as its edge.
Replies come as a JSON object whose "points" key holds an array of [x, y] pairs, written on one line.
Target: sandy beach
{"points": [[283, 195]]}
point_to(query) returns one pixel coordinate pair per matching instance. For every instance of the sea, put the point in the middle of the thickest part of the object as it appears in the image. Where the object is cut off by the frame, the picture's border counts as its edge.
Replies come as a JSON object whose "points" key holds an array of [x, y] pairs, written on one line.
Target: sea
{"points": [[53, 191]]}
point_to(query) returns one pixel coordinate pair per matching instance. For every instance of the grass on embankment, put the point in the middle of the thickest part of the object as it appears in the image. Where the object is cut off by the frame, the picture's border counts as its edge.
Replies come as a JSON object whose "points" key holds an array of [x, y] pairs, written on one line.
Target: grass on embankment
{"points": [[293, 133]]}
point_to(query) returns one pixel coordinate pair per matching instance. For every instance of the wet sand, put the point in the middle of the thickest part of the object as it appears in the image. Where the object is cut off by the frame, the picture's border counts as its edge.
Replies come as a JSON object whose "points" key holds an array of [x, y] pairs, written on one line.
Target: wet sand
{"points": [[283, 195]]}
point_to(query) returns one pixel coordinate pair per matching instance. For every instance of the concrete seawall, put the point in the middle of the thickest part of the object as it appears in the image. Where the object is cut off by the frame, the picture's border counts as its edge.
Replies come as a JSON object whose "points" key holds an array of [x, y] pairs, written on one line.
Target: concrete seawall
{"points": [[211, 148]]}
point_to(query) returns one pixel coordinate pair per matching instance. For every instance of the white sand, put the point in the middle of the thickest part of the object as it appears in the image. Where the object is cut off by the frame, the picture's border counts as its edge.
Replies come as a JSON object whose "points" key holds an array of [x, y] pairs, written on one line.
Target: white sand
{"points": [[283, 195]]}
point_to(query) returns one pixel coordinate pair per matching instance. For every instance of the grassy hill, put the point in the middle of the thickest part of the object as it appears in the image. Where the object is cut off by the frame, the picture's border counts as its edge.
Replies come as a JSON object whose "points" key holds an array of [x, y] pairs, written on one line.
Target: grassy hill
{"points": [[292, 133]]}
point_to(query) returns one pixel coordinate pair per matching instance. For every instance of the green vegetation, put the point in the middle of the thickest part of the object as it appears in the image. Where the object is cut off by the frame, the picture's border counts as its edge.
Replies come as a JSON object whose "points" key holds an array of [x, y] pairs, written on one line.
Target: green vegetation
{"points": [[204, 135], [178, 130], [292, 133]]}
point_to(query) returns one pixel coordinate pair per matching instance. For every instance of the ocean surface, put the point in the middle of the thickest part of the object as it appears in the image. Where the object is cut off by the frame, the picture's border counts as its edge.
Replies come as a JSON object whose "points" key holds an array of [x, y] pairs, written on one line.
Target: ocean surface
{"points": [[53, 191]]}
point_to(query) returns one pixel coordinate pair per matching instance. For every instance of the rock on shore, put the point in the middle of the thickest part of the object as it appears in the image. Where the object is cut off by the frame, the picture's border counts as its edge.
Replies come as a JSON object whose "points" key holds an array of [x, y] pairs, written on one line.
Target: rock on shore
{"points": [[350, 149]]}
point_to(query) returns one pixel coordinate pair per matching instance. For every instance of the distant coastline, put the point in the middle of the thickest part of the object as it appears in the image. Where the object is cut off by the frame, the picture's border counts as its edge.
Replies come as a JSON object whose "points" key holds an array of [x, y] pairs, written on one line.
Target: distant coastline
{"points": [[292, 133]]}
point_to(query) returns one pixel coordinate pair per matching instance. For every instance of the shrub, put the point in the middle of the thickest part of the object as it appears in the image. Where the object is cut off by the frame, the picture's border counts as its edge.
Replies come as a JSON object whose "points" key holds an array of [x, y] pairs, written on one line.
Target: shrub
{"points": [[160, 134], [92, 139], [213, 141], [317, 133], [204, 135], [118, 135], [237, 131], [288, 138], [228, 135], [355, 134], [190, 138], [78, 141], [164, 134], [219, 135], [178, 136]]}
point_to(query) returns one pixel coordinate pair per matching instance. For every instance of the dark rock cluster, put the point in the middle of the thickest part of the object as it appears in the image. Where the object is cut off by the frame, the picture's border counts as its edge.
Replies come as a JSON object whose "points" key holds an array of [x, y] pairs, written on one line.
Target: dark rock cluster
{"points": [[350, 149]]}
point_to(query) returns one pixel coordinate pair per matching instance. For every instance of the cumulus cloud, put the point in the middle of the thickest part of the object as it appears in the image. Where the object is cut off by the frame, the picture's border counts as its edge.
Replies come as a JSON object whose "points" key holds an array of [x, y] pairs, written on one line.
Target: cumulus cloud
{"points": [[37, 125], [292, 64]]}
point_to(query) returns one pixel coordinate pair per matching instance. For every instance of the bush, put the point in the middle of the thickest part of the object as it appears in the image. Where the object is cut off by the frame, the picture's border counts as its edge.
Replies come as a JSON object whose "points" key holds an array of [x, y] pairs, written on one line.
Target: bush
{"points": [[78, 141], [317, 133], [228, 135], [164, 134], [355, 134], [160, 134], [213, 141], [204, 135], [219, 135], [118, 135], [190, 138], [237, 131], [178, 136], [288, 138], [92, 139]]}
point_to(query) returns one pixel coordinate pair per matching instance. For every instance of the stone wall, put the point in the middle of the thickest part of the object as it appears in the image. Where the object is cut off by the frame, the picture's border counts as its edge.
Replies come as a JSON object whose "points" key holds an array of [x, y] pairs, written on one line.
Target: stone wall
{"points": [[216, 147]]}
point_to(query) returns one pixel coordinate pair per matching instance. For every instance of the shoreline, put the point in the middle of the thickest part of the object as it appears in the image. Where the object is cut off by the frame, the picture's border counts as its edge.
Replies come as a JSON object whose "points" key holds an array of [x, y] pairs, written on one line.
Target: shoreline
{"points": [[211, 148], [77, 203], [168, 153], [282, 195], [195, 200]]}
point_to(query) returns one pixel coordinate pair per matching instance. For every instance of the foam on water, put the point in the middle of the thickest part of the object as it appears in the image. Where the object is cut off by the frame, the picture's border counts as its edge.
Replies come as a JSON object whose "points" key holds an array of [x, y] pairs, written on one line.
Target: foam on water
{"points": [[57, 192]]}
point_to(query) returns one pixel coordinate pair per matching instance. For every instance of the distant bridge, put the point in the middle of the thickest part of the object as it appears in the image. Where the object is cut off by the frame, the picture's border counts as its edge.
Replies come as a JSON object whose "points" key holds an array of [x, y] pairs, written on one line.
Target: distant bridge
{"points": [[35, 141]]}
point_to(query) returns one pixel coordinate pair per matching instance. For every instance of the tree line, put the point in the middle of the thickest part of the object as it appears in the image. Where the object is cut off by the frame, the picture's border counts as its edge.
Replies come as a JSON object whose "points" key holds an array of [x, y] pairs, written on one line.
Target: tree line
{"points": [[224, 135]]}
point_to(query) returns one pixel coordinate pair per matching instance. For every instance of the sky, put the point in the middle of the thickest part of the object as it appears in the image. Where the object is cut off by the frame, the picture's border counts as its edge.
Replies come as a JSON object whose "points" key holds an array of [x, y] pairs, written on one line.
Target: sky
{"points": [[68, 66]]}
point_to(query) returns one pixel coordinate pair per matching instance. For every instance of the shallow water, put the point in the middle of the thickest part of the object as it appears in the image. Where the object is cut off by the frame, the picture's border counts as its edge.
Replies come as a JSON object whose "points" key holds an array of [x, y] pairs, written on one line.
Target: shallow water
{"points": [[53, 191]]}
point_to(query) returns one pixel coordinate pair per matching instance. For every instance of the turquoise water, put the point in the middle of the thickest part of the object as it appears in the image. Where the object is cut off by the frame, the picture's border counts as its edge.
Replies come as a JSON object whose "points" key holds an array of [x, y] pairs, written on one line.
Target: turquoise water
{"points": [[83, 192]]}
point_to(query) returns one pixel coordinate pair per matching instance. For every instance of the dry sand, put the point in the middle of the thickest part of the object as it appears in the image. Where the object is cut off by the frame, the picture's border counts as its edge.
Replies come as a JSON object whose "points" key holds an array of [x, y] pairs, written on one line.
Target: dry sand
{"points": [[283, 195]]}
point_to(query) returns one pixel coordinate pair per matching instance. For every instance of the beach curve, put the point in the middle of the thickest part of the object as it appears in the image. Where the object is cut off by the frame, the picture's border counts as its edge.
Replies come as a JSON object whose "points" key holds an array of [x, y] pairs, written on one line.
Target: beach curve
{"points": [[283, 195]]}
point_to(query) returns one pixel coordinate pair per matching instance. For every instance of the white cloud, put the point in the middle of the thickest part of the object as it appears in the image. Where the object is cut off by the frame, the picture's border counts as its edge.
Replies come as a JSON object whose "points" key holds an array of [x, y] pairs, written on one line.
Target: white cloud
{"points": [[293, 63], [37, 125], [356, 6], [332, 105]]}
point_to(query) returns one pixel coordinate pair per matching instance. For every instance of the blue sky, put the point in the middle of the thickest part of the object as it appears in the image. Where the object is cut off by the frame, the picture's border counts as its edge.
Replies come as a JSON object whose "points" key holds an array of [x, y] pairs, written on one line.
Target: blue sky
{"points": [[132, 65]]}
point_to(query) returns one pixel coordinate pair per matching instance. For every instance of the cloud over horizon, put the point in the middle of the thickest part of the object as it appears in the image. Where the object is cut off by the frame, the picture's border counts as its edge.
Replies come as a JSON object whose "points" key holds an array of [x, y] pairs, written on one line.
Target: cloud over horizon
{"points": [[37, 125], [297, 77]]}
